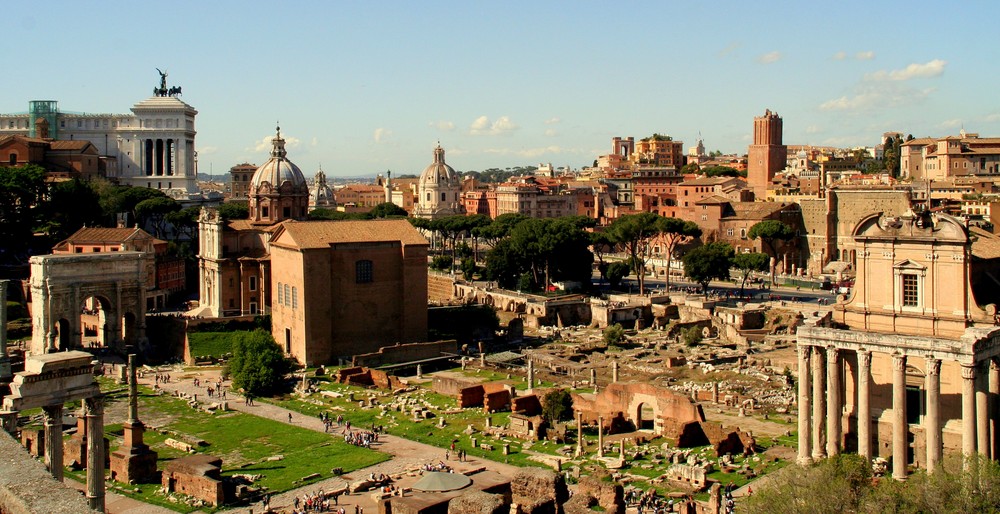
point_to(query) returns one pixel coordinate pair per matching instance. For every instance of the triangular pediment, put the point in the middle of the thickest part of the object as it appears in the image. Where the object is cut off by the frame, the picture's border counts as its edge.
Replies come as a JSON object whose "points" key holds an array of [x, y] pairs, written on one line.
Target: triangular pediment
{"points": [[908, 264]]}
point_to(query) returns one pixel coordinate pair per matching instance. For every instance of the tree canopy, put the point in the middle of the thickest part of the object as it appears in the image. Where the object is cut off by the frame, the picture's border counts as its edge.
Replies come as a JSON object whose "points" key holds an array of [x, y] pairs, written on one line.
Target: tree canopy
{"points": [[543, 250], [22, 191], [387, 210], [748, 263], [770, 232], [673, 233], [557, 405], [634, 232], [723, 171], [258, 367], [709, 262]]}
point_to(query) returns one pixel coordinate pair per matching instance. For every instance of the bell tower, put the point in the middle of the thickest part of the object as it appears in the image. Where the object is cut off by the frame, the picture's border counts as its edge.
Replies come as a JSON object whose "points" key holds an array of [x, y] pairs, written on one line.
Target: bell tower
{"points": [[767, 154]]}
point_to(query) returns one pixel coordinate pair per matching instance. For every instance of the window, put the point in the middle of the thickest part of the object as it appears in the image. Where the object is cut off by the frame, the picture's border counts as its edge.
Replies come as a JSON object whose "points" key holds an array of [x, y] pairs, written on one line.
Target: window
{"points": [[363, 271], [253, 283], [288, 295], [281, 296], [730, 232], [743, 233], [443, 196], [295, 298], [911, 290], [13, 159], [253, 307]]}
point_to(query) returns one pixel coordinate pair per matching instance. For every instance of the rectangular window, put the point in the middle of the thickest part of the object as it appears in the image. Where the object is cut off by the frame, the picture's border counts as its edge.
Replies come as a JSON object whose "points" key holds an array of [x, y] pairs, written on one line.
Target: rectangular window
{"points": [[253, 283], [281, 295], [911, 291], [363, 271], [295, 297], [288, 295]]}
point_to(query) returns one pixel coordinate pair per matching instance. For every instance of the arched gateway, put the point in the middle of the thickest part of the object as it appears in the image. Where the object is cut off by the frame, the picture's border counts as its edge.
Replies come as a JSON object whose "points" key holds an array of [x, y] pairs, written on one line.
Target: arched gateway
{"points": [[62, 284]]}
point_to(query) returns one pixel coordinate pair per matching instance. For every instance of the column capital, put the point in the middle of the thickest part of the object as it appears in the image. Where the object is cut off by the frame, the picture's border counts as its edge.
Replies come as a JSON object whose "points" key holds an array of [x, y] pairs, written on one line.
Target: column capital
{"points": [[968, 372], [934, 367], [899, 362], [832, 354], [865, 358], [804, 350], [994, 365], [95, 405]]}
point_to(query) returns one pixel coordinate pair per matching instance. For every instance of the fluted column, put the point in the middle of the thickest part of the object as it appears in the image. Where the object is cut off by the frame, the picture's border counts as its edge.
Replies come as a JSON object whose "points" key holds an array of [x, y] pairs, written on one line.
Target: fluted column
{"points": [[932, 421], [833, 407], [819, 404], [95, 453], [864, 404], [53, 440], [805, 430], [899, 428], [982, 409], [968, 410]]}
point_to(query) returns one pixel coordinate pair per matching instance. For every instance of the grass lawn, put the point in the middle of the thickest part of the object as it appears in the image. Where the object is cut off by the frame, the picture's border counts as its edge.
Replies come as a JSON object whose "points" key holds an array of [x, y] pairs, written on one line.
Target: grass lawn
{"points": [[215, 344], [243, 441]]}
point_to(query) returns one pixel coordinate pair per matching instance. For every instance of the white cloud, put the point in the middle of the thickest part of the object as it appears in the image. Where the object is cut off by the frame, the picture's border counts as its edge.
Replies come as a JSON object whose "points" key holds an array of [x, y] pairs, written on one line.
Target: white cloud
{"points": [[874, 96], [552, 121], [952, 123], [551, 132], [442, 125], [537, 152], [813, 129], [482, 126], [770, 57], [933, 68], [990, 118], [381, 134], [207, 150], [840, 56], [732, 47], [865, 56], [264, 144]]}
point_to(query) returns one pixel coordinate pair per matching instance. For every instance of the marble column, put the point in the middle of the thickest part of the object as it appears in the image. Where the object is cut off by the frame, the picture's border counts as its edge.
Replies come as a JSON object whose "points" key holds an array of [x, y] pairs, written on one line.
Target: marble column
{"points": [[819, 404], [614, 371], [54, 440], [805, 430], [982, 410], [864, 404], [833, 407], [531, 374], [932, 421], [600, 436], [95, 453], [899, 429], [579, 433], [993, 399], [968, 410]]}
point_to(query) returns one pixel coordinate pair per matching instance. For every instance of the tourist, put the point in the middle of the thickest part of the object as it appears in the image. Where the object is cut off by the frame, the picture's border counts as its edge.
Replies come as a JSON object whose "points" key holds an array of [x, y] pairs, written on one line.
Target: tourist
{"points": [[289, 417]]}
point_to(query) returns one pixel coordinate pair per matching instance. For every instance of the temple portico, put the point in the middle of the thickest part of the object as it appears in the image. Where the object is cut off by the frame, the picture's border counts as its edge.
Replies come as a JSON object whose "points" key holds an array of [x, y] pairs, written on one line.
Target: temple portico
{"points": [[884, 395]]}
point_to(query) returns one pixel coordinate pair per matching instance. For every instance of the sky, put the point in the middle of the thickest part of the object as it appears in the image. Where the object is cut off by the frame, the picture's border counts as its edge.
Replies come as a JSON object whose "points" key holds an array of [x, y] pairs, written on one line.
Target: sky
{"points": [[363, 87]]}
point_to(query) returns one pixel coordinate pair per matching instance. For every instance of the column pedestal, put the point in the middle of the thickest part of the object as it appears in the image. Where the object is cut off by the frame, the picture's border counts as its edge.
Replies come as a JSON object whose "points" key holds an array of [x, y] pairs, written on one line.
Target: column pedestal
{"points": [[899, 428], [805, 429]]}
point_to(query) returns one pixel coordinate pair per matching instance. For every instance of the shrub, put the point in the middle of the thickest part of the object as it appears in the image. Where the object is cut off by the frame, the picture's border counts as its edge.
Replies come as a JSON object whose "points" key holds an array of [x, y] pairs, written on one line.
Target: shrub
{"points": [[441, 263], [614, 334], [557, 405], [692, 336]]}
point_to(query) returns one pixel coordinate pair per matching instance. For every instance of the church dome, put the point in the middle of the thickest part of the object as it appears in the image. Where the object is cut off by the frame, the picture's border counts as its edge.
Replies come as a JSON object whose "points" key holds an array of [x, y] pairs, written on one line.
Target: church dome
{"points": [[438, 172], [321, 194], [278, 170]]}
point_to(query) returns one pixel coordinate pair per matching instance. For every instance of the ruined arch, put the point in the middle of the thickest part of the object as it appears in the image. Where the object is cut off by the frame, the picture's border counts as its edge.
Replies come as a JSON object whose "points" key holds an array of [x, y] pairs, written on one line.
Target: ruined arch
{"points": [[61, 283]]}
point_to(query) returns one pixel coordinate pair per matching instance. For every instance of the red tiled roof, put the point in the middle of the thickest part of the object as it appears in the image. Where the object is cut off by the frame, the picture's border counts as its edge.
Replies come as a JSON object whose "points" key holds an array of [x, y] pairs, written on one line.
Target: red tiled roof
{"points": [[321, 234]]}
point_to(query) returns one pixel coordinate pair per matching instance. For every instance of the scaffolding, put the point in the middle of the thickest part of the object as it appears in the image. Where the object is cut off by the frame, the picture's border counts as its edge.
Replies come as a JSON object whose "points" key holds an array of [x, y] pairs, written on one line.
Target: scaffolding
{"points": [[48, 109]]}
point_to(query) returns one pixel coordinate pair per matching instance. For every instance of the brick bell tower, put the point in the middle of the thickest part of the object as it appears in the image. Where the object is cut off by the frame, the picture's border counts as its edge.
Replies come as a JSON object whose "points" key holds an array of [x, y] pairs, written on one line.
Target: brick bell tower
{"points": [[767, 155]]}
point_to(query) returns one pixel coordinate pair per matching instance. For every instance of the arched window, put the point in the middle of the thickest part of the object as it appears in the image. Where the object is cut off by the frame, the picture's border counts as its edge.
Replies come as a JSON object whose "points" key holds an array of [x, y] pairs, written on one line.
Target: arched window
{"points": [[13, 158]]}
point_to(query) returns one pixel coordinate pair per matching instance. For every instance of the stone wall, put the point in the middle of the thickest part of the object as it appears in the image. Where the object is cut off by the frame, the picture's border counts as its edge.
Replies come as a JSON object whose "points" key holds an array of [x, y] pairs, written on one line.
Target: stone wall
{"points": [[26, 487], [440, 287], [196, 476], [408, 352], [538, 491], [478, 502], [366, 377], [608, 495]]}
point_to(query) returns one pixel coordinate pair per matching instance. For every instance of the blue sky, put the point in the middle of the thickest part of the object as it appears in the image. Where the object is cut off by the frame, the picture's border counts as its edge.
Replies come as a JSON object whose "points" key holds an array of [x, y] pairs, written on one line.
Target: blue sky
{"points": [[361, 87]]}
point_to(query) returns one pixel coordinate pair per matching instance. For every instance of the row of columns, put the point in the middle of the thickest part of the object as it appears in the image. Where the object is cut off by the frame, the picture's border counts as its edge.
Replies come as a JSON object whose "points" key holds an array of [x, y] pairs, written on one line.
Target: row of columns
{"points": [[821, 393], [94, 416], [159, 157]]}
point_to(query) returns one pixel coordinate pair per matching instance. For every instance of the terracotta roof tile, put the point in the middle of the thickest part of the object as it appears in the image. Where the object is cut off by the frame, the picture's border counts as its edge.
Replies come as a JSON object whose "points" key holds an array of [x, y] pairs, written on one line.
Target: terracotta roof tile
{"points": [[106, 235], [321, 234]]}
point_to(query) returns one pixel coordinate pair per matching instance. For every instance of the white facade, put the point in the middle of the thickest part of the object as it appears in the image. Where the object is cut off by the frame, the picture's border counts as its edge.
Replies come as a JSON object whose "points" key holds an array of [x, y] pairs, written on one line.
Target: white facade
{"points": [[154, 145], [439, 190]]}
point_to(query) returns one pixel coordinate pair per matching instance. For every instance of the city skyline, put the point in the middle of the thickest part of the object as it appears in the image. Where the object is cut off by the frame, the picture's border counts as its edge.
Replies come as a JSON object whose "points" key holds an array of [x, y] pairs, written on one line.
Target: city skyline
{"points": [[360, 88]]}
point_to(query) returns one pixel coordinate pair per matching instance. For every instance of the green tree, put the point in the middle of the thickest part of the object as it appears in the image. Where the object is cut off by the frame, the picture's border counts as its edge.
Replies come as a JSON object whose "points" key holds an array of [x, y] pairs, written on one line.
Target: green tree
{"points": [[258, 367], [154, 212], [185, 221], [673, 233], [634, 233], [71, 205], [547, 248], [234, 211], [557, 405], [387, 210], [616, 272], [613, 334], [709, 262], [22, 191], [748, 263], [723, 171], [600, 244], [770, 233]]}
